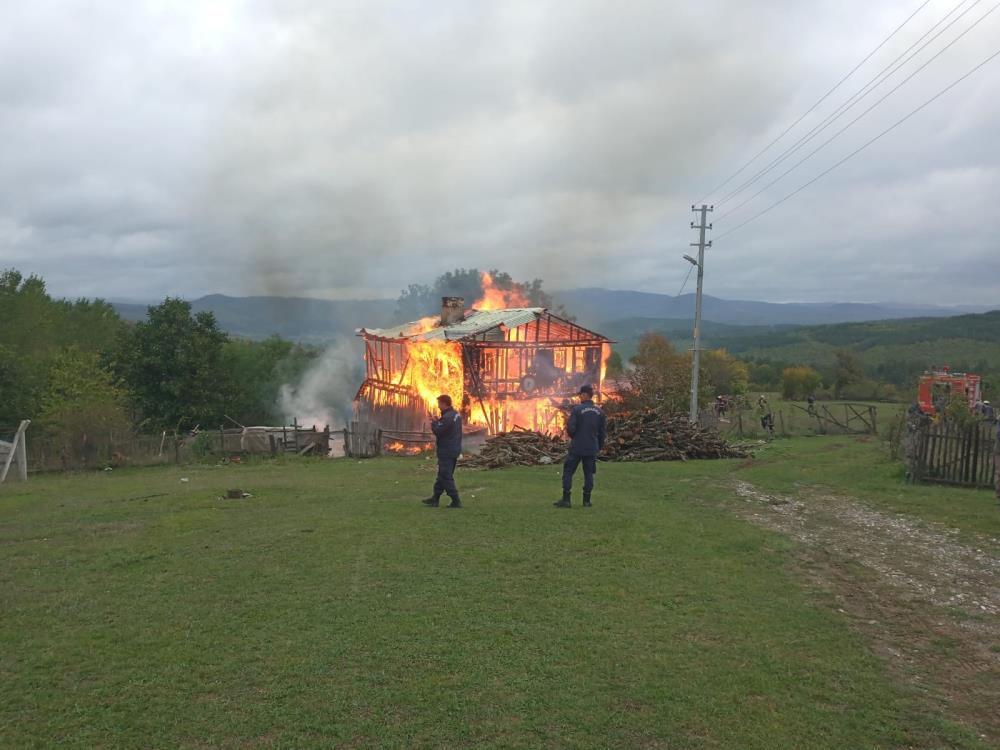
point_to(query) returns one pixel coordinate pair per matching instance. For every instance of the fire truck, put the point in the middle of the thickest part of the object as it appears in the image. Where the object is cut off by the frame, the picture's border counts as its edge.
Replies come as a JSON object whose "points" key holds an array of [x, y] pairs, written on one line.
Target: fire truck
{"points": [[937, 388]]}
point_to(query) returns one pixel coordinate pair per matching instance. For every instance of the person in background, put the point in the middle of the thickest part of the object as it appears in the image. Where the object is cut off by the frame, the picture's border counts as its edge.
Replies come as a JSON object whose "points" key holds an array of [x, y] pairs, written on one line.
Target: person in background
{"points": [[587, 427], [448, 434], [766, 416]]}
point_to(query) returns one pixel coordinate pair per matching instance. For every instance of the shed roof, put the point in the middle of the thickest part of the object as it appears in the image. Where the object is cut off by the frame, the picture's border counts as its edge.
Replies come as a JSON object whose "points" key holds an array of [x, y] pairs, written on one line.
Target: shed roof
{"points": [[475, 322]]}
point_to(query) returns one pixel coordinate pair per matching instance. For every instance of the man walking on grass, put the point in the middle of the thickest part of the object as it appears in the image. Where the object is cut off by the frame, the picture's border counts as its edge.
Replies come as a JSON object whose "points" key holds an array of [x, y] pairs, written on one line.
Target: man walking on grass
{"points": [[586, 428], [448, 432]]}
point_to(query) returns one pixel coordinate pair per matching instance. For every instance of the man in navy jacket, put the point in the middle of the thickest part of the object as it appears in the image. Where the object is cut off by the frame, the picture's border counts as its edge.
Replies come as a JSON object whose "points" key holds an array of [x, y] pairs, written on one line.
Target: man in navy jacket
{"points": [[587, 427], [448, 433]]}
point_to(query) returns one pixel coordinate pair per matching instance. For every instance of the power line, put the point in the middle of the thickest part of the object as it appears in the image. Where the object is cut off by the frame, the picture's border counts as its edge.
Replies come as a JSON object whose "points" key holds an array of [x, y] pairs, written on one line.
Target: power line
{"points": [[860, 94], [818, 102], [861, 148], [840, 132], [681, 291]]}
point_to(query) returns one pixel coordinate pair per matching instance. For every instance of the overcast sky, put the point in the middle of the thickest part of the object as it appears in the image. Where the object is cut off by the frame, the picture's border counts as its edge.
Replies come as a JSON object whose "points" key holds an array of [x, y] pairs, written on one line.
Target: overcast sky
{"points": [[346, 149]]}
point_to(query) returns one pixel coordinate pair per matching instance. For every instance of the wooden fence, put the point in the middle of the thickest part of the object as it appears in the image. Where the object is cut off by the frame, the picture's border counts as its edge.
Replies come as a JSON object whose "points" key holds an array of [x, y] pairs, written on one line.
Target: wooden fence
{"points": [[94, 451], [13, 453], [790, 419], [363, 440], [947, 453]]}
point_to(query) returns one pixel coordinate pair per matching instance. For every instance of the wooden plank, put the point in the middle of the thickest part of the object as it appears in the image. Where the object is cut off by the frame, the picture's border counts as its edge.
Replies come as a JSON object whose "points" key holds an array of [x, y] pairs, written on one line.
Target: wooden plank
{"points": [[17, 449], [948, 463], [934, 448], [986, 465], [972, 456], [22, 456]]}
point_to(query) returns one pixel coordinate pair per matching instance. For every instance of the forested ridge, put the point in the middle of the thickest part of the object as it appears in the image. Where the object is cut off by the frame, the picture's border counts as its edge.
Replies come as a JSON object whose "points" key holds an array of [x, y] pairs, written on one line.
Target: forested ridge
{"points": [[75, 367]]}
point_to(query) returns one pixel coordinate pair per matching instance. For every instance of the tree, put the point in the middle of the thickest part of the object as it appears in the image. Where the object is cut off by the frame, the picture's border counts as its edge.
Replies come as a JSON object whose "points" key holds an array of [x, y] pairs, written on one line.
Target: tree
{"points": [[258, 370], [848, 370], [35, 330], [173, 367], [27, 313], [20, 387], [799, 382], [765, 375], [82, 401], [660, 376], [723, 374]]}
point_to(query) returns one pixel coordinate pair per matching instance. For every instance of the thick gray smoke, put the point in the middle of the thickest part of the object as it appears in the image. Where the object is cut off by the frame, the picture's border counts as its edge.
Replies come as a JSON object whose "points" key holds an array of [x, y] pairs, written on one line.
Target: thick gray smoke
{"points": [[376, 151], [325, 392], [346, 149]]}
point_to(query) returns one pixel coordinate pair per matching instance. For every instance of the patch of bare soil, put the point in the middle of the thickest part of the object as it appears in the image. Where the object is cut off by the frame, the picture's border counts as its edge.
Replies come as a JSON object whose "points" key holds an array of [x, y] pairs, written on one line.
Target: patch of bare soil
{"points": [[927, 602]]}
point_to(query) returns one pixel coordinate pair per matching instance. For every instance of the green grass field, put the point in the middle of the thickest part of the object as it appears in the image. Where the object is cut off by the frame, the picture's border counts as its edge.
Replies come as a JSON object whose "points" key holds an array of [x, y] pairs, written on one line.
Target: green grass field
{"points": [[332, 610]]}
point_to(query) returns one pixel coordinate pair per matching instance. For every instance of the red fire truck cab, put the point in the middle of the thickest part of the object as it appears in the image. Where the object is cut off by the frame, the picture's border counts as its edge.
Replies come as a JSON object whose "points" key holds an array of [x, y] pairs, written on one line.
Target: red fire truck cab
{"points": [[937, 388]]}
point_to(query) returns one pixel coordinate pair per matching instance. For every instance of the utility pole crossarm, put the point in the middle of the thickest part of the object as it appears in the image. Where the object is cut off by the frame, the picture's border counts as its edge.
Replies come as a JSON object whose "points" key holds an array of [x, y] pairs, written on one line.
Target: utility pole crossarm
{"points": [[701, 244]]}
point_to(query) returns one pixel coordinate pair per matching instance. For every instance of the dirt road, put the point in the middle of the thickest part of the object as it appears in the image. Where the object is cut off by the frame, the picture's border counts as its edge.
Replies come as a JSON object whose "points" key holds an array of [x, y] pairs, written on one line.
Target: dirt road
{"points": [[927, 601]]}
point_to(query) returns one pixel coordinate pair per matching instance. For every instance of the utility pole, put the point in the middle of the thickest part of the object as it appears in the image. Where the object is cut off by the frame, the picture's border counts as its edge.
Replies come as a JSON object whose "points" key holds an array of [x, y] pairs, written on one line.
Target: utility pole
{"points": [[696, 359]]}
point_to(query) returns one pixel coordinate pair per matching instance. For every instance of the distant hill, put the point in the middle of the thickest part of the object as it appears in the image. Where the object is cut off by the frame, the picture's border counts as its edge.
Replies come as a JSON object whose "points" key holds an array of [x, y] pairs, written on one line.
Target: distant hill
{"points": [[674, 329], [595, 306], [892, 350]]}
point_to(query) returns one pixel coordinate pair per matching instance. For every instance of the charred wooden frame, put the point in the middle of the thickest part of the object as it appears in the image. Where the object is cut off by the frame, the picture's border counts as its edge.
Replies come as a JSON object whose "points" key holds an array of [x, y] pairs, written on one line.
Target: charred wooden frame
{"points": [[546, 357]]}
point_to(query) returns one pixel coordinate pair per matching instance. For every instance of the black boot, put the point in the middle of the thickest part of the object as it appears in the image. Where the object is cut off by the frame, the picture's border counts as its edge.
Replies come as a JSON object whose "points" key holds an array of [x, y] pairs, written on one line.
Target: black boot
{"points": [[455, 502], [431, 502], [564, 503], [586, 500]]}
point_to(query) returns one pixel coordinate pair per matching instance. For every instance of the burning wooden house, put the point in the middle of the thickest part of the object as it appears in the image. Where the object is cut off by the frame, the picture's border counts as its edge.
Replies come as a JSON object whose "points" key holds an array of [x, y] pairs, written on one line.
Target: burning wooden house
{"points": [[503, 366]]}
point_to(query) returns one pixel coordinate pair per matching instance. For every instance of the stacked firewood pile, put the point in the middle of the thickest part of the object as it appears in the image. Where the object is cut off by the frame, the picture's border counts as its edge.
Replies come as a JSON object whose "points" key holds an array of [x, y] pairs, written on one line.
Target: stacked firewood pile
{"points": [[518, 448], [652, 436], [632, 436]]}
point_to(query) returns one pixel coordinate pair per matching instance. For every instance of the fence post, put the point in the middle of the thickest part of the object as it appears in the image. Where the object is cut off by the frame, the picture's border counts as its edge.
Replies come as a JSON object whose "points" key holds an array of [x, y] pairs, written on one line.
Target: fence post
{"points": [[222, 439], [22, 456]]}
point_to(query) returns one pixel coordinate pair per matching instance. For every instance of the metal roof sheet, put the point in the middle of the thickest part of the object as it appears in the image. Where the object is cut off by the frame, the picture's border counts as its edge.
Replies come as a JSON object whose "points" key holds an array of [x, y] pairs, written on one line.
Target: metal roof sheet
{"points": [[476, 322]]}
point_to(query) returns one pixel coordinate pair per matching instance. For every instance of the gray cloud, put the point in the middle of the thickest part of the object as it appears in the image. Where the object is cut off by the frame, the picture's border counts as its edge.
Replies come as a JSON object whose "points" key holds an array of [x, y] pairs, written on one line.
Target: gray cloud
{"points": [[350, 149]]}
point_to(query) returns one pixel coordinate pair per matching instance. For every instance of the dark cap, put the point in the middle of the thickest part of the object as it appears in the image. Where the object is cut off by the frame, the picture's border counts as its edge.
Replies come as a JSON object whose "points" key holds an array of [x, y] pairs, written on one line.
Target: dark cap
{"points": [[444, 399], [588, 389]]}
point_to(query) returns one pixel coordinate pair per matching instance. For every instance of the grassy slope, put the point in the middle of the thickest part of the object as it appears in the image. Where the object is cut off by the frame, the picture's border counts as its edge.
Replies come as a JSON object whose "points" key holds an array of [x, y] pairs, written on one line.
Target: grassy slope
{"points": [[331, 609]]}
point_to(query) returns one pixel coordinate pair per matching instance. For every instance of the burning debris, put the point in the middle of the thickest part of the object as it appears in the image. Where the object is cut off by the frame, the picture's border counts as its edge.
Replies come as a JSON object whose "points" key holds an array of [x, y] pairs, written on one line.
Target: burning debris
{"points": [[505, 363]]}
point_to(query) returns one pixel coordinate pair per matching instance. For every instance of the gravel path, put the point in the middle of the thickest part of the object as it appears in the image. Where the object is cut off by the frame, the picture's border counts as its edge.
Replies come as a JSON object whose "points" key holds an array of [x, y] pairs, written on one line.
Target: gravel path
{"points": [[926, 600]]}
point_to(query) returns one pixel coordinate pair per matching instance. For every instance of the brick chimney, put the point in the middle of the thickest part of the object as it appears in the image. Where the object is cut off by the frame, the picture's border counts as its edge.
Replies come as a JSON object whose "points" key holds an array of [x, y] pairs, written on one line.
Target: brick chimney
{"points": [[452, 310]]}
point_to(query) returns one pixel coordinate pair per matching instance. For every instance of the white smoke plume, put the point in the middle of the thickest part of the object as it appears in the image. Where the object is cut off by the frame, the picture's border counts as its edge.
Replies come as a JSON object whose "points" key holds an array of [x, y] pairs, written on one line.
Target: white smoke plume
{"points": [[324, 394]]}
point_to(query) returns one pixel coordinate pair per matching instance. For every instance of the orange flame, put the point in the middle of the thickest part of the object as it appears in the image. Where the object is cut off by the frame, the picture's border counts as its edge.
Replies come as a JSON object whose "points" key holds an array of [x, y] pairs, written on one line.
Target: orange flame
{"points": [[495, 298], [404, 449], [435, 367]]}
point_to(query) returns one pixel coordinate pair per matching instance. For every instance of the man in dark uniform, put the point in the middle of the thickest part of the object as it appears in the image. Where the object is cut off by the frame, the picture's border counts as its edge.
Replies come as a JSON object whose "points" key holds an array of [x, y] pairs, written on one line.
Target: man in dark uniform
{"points": [[586, 428], [448, 433]]}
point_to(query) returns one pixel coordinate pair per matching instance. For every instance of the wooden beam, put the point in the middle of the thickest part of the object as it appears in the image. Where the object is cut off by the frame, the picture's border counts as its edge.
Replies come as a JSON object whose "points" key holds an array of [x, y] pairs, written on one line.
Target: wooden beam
{"points": [[17, 448]]}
